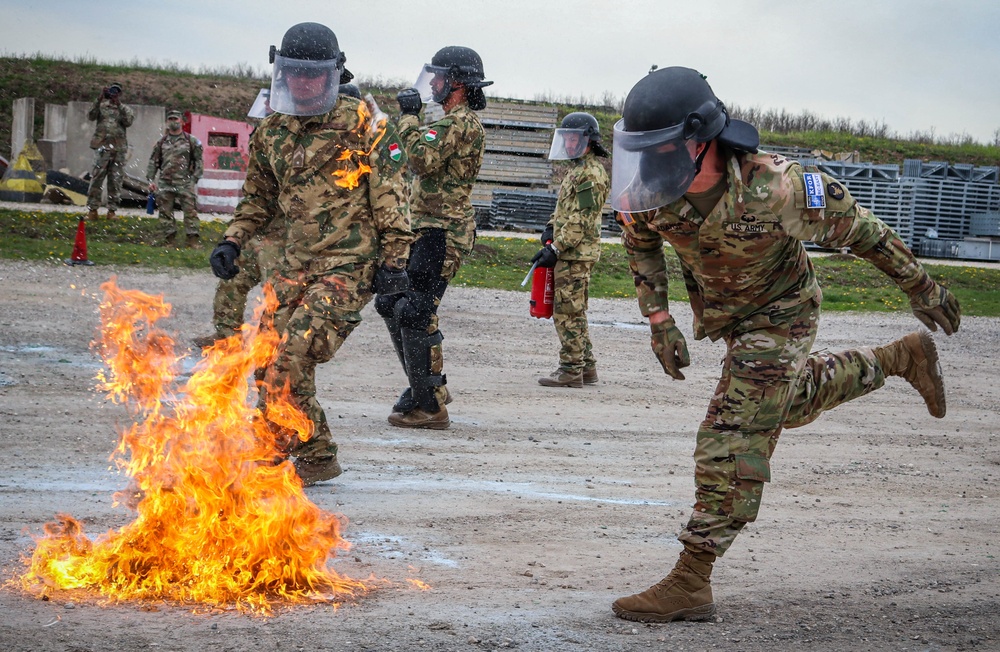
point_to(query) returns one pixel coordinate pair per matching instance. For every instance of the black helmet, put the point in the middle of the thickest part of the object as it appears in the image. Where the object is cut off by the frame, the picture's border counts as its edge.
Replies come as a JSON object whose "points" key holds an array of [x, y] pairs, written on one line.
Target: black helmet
{"points": [[454, 65], [308, 50], [582, 125], [309, 42], [670, 97]]}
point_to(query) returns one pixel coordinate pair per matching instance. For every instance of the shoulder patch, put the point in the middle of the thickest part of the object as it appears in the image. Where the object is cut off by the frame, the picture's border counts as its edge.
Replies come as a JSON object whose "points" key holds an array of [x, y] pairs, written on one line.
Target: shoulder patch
{"points": [[835, 190], [430, 136], [815, 196]]}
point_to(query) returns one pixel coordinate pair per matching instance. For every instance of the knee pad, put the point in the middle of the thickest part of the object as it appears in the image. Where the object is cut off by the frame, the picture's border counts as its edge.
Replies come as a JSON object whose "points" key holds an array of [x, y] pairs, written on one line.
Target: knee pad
{"points": [[414, 310]]}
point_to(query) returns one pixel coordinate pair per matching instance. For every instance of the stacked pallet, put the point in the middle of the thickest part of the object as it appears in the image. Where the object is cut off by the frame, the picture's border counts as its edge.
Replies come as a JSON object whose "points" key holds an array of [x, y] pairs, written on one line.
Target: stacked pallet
{"points": [[520, 210]]}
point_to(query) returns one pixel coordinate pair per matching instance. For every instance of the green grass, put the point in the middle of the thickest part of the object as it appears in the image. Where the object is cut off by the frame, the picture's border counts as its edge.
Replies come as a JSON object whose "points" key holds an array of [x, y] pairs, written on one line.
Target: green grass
{"points": [[497, 263]]}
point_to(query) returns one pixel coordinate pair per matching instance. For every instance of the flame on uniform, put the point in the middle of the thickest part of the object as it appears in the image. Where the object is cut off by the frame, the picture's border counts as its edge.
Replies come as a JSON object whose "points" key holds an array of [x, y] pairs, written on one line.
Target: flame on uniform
{"points": [[356, 161], [221, 519]]}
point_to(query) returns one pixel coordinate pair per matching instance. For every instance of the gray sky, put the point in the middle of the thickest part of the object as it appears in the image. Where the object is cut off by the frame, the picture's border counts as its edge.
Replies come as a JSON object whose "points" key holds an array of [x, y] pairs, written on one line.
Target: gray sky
{"points": [[917, 65]]}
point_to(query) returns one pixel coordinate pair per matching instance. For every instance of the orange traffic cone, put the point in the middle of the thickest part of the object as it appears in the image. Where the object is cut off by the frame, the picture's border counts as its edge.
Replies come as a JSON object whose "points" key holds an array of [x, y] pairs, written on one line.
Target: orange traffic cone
{"points": [[79, 255]]}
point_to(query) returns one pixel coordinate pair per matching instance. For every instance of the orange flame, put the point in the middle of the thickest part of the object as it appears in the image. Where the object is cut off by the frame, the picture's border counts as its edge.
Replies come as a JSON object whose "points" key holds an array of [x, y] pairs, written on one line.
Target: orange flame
{"points": [[350, 178], [221, 518]]}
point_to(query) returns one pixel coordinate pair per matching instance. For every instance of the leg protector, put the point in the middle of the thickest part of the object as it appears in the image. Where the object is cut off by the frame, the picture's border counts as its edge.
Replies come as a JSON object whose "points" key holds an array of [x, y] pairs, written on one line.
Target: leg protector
{"points": [[418, 350]]}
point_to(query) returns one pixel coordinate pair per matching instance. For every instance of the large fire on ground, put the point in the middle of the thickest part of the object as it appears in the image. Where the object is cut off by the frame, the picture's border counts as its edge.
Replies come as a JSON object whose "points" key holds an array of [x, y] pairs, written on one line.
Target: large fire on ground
{"points": [[221, 519]]}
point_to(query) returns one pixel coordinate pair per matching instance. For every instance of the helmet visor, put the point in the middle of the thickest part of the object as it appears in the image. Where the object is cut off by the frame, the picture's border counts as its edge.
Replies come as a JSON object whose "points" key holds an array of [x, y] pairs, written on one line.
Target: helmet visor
{"points": [[650, 169], [303, 87], [433, 84], [568, 144]]}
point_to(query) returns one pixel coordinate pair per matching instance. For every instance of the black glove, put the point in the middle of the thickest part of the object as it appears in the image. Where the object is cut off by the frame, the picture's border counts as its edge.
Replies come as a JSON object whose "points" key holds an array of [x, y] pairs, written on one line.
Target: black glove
{"points": [[390, 280], [223, 259], [546, 257], [409, 101], [547, 236]]}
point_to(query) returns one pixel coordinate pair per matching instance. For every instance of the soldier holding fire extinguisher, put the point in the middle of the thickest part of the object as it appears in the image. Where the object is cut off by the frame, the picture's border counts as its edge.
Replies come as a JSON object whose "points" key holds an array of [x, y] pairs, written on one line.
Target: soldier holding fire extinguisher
{"points": [[572, 245]]}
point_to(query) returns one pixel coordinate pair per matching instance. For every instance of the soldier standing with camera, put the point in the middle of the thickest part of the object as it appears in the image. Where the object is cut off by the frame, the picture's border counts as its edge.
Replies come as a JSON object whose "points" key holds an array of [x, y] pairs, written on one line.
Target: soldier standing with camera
{"points": [[113, 118]]}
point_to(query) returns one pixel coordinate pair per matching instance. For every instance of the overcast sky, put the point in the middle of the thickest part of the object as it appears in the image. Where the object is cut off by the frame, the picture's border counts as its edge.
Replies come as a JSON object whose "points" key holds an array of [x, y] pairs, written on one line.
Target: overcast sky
{"points": [[916, 65]]}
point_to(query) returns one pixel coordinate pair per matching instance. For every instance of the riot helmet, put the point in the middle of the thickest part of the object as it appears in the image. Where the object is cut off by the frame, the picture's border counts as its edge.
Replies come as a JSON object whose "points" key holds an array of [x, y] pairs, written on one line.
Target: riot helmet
{"points": [[576, 131], [450, 67], [666, 114], [307, 70]]}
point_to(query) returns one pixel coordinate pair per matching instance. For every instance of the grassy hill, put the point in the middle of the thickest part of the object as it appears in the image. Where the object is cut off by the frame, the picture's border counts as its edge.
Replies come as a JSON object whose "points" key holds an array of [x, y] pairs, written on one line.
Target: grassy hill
{"points": [[229, 94]]}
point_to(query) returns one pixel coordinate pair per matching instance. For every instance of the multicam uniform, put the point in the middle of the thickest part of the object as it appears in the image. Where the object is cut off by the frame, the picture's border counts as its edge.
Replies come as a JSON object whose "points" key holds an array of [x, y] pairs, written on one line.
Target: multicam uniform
{"points": [[576, 232], [752, 285], [444, 158], [178, 158], [335, 237], [111, 147]]}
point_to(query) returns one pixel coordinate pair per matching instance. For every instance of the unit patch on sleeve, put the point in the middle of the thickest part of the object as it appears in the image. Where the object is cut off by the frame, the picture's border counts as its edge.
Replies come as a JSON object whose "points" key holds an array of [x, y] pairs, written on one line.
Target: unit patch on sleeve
{"points": [[430, 136], [835, 190], [815, 197]]}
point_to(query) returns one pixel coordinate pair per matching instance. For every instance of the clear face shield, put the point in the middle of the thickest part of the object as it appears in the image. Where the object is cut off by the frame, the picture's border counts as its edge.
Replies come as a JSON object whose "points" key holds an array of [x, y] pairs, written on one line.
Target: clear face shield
{"points": [[433, 84], [302, 87], [568, 144], [651, 169]]}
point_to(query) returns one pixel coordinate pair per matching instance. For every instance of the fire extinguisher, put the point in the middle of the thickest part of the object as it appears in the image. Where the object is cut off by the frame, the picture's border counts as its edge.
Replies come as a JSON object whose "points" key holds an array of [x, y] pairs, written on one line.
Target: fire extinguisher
{"points": [[543, 288]]}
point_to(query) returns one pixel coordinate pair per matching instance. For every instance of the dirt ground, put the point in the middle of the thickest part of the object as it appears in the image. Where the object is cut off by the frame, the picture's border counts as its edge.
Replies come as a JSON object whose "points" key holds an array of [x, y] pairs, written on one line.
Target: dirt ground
{"points": [[539, 506]]}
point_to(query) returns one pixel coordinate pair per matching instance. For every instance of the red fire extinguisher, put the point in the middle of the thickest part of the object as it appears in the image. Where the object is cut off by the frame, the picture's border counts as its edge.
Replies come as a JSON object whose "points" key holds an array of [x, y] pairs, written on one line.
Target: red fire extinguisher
{"points": [[543, 287]]}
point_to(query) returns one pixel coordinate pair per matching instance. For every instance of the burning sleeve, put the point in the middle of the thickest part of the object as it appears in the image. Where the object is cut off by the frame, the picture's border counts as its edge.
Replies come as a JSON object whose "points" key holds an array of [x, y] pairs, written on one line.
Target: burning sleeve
{"points": [[644, 249]]}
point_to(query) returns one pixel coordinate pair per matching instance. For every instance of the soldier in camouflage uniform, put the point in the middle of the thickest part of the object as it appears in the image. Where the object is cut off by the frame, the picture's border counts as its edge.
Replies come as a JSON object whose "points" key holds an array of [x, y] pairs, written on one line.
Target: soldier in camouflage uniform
{"points": [[113, 119], [178, 159], [572, 245], [687, 174], [318, 166], [444, 158]]}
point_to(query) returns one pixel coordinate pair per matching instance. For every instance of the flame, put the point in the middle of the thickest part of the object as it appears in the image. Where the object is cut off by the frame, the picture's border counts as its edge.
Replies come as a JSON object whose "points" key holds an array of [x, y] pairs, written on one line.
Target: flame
{"points": [[221, 516], [347, 177]]}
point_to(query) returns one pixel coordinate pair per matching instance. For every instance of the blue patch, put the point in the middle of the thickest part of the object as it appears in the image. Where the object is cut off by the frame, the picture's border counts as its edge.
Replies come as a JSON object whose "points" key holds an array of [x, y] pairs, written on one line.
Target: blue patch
{"points": [[815, 195]]}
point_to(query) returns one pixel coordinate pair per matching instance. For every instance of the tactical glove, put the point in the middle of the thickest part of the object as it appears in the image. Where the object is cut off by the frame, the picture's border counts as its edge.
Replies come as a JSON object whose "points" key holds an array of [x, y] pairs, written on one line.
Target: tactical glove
{"points": [[937, 307], [546, 256], [670, 348], [409, 101], [223, 259], [390, 280], [547, 235]]}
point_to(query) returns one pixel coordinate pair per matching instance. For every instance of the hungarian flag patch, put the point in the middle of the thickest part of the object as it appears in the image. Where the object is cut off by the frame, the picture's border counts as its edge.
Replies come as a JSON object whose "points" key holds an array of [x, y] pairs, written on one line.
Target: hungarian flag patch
{"points": [[430, 136], [394, 152]]}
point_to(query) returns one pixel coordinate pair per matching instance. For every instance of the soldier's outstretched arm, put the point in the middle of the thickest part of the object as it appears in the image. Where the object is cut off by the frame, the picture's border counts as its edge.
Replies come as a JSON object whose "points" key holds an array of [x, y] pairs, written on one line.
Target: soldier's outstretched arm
{"points": [[646, 260]]}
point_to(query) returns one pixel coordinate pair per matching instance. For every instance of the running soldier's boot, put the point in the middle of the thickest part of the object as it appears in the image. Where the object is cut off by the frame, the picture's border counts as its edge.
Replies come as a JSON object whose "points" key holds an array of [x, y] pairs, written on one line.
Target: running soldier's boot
{"points": [[590, 375], [193, 242], [92, 214], [560, 378], [684, 594], [915, 358], [316, 469], [111, 214], [420, 418]]}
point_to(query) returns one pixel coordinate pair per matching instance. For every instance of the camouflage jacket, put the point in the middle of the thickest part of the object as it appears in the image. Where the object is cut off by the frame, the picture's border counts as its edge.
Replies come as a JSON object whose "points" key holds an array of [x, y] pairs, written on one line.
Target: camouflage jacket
{"points": [[112, 121], [178, 159], [747, 255], [576, 224], [445, 158], [335, 185]]}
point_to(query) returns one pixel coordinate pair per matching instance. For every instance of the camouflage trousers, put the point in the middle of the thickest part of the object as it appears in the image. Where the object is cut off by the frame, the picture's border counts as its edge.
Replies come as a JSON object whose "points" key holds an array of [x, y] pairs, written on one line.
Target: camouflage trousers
{"points": [[109, 165], [315, 315], [187, 197], [256, 262], [769, 381], [569, 313]]}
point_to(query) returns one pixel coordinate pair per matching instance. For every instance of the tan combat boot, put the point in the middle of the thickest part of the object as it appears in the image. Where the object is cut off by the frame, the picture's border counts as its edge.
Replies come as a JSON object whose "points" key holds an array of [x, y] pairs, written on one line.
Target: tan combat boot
{"points": [[111, 214], [684, 594], [419, 418], [92, 214], [193, 242], [915, 358], [590, 375], [316, 469], [560, 378]]}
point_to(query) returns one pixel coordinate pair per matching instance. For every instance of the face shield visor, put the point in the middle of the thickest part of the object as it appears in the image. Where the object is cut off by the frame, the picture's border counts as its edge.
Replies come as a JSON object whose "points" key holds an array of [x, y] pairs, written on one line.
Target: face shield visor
{"points": [[304, 87], [433, 84], [568, 144], [650, 169]]}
